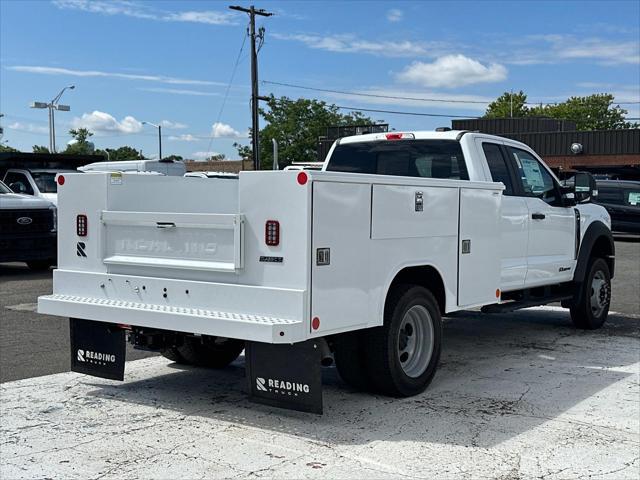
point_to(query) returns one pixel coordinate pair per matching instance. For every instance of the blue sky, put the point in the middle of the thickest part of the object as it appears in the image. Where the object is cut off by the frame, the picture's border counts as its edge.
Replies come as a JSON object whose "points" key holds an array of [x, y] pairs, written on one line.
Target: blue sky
{"points": [[171, 62]]}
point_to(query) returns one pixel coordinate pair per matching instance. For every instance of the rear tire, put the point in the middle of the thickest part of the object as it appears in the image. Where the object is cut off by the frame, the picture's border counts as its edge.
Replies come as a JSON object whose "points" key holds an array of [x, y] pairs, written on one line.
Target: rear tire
{"points": [[211, 352], [592, 308], [350, 361], [402, 355], [172, 353]]}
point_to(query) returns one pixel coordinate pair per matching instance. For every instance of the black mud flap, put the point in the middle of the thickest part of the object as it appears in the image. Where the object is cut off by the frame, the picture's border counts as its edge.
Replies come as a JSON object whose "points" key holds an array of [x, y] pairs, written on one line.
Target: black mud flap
{"points": [[285, 376], [97, 349]]}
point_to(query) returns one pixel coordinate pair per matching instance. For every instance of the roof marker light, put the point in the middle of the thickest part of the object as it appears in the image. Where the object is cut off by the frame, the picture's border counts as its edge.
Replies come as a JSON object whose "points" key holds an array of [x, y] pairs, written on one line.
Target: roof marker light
{"points": [[400, 136]]}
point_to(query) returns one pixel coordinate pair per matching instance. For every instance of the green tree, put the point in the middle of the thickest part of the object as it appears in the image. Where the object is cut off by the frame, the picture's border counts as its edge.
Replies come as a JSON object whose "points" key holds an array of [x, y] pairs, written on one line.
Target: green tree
{"points": [[81, 146], [175, 158], [593, 112], [296, 126], [7, 148], [502, 106], [120, 154], [40, 149]]}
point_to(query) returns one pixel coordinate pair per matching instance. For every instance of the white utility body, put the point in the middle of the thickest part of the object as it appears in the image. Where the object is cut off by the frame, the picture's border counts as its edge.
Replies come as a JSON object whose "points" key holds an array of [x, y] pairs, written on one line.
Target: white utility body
{"points": [[282, 257]]}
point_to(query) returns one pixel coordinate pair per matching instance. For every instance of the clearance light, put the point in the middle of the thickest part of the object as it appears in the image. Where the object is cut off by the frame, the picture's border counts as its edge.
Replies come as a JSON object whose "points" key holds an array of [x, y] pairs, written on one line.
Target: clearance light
{"points": [[60, 179], [272, 233], [81, 225], [400, 136], [302, 178], [315, 323]]}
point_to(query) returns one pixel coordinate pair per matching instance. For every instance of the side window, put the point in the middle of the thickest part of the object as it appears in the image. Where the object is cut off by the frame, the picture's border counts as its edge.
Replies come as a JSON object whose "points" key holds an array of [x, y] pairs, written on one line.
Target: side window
{"points": [[536, 180], [498, 166], [20, 180]]}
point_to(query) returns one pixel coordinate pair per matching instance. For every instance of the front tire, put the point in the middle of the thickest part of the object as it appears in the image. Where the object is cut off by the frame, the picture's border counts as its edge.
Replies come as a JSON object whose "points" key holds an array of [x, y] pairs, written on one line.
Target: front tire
{"points": [[592, 308], [211, 352], [402, 355]]}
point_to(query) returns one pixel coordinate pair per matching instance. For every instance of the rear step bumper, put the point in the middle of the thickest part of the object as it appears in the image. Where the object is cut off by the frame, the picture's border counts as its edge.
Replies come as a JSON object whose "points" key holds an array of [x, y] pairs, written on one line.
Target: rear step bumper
{"points": [[222, 310]]}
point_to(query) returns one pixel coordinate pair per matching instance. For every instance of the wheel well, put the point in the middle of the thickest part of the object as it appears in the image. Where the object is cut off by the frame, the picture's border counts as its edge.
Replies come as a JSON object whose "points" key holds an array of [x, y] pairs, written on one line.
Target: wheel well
{"points": [[425, 276], [602, 249]]}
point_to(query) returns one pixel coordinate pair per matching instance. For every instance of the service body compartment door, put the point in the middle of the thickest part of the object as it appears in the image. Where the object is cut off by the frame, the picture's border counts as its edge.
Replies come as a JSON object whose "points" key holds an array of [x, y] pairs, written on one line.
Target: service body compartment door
{"points": [[340, 256], [479, 247]]}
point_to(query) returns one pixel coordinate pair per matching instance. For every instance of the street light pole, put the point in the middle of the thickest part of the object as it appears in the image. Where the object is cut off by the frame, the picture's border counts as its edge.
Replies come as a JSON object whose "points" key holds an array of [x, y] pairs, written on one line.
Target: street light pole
{"points": [[51, 106], [159, 127]]}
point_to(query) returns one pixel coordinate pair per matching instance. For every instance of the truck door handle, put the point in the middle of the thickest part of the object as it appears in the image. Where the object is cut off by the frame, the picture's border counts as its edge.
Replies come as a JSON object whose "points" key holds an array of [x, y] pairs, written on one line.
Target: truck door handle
{"points": [[538, 216], [165, 225]]}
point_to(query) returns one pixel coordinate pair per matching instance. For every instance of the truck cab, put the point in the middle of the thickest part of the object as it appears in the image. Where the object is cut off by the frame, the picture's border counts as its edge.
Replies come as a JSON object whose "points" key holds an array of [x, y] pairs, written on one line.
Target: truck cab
{"points": [[39, 182]]}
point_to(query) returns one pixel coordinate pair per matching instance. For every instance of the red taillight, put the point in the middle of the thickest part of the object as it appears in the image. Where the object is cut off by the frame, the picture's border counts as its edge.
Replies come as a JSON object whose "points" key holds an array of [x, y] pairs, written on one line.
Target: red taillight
{"points": [[81, 225], [60, 179], [302, 178], [272, 233]]}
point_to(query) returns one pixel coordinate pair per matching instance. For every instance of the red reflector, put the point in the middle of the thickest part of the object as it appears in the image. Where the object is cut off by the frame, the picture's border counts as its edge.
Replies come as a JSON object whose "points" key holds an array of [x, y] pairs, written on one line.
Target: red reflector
{"points": [[60, 179], [81, 225], [302, 178], [272, 233], [315, 323]]}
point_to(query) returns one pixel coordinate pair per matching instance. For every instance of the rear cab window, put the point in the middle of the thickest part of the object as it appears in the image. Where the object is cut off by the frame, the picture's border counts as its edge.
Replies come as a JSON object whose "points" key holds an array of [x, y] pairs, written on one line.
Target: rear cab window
{"points": [[406, 158]]}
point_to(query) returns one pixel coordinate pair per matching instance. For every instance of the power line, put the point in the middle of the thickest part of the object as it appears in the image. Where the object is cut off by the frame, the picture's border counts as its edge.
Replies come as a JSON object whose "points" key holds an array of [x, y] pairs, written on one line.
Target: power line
{"points": [[394, 112], [419, 99], [226, 93]]}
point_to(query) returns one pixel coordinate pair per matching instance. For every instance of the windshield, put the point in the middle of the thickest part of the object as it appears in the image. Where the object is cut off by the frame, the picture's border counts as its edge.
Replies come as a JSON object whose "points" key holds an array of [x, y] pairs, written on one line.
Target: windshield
{"points": [[46, 181], [4, 189], [407, 158]]}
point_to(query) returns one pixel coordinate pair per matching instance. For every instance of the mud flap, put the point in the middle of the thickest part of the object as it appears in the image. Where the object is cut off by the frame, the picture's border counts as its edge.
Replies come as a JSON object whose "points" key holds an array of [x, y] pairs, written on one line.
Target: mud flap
{"points": [[285, 376], [97, 349]]}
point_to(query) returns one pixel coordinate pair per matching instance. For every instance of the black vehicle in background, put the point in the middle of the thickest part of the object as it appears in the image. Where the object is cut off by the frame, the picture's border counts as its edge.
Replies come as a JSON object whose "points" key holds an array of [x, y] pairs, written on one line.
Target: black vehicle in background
{"points": [[621, 198]]}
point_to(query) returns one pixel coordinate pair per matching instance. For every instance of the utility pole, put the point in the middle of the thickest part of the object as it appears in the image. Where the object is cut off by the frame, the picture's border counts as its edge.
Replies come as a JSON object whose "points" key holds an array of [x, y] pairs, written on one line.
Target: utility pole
{"points": [[159, 127], [255, 128], [511, 103]]}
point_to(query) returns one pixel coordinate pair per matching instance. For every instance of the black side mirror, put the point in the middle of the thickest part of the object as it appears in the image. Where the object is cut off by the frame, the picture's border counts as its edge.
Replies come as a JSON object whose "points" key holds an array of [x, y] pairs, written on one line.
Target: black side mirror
{"points": [[584, 187], [18, 187]]}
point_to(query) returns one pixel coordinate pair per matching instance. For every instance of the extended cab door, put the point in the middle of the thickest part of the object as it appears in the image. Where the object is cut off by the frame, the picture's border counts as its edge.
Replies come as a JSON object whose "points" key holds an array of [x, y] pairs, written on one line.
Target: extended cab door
{"points": [[514, 218], [551, 243]]}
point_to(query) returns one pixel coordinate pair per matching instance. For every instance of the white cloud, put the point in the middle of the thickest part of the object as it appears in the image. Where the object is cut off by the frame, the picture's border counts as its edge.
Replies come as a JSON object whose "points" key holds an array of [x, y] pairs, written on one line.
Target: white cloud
{"points": [[204, 155], [556, 48], [96, 73], [222, 130], [208, 17], [175, 91], [172, 125], [185, 137], [452, 71], [350, 44], [102, 122], [28, 127], [395, 15], [138, 10]]}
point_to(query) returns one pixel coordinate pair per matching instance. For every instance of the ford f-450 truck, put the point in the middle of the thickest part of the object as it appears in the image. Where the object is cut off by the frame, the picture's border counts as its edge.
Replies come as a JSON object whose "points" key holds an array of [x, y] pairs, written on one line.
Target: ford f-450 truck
{"points": [[357, 262]]}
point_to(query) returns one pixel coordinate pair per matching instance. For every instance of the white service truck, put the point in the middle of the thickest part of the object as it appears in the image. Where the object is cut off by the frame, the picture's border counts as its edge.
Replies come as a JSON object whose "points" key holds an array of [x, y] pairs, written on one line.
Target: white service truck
{"points": [[357, 262]]}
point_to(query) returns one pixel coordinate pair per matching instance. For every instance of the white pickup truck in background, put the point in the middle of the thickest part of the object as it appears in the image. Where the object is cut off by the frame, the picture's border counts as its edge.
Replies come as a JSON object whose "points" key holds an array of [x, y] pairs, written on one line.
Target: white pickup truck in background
{"points": [[357, 262]]}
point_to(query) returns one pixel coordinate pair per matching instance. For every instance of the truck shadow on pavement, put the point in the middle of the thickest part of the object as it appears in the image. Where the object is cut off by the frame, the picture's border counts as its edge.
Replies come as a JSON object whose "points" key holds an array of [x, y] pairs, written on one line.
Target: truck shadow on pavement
{"points": [[500, 376]]}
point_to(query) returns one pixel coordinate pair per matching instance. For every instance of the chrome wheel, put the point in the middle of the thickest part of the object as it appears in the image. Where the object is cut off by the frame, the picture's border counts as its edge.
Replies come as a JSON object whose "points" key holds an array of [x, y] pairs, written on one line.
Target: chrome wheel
{"points": [[415, 341], [600, 293]]}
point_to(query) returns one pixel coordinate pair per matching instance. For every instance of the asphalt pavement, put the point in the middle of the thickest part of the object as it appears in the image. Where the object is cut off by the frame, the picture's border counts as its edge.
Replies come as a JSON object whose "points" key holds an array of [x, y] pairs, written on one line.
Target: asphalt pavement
{"points": [[32, 345]]}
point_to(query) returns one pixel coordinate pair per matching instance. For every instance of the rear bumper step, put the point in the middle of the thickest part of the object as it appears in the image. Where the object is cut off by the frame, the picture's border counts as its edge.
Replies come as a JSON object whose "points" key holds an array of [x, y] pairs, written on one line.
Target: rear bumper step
{"points": [[193, 320]]}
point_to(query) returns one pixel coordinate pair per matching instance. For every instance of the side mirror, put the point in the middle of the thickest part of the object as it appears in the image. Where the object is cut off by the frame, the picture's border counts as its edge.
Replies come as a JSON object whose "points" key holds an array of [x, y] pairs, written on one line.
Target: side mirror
{"points": [[584, 187], [18, 187]]}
